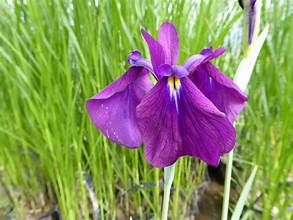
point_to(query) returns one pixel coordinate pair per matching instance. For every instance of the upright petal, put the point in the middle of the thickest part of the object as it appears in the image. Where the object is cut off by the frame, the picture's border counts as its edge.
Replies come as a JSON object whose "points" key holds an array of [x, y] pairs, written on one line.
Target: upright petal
{"points": [[113, 109], [156, 50], [168, 38], [221, 90], [174, 123]]}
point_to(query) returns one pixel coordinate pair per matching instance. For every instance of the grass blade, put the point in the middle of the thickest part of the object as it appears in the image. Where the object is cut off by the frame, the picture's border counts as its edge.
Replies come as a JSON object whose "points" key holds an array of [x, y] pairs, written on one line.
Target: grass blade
{"points": [[244, 195]]}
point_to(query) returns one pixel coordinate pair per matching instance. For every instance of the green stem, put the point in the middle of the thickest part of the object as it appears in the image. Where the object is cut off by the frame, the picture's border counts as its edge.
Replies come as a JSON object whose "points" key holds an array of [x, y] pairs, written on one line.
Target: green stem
{"points": [[168, 179], [228, 174], [241, 79]]}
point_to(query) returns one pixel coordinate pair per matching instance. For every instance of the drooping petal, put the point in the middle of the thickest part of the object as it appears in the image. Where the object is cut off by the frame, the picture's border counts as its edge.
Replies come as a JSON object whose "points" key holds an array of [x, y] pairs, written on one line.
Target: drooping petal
{"points": [[214, 132], [159, 125], [182, 121], [156, 50], [113, 109], [168, 38], [221, 90]]}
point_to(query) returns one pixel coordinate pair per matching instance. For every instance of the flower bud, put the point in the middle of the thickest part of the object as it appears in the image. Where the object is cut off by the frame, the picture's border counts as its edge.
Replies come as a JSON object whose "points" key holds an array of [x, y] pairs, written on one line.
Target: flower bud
{"points": [[252, 17]]}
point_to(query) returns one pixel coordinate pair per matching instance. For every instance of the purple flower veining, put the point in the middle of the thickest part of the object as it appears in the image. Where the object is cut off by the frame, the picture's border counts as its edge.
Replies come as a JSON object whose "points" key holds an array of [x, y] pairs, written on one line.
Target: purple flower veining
{"points": [[188, 112]]}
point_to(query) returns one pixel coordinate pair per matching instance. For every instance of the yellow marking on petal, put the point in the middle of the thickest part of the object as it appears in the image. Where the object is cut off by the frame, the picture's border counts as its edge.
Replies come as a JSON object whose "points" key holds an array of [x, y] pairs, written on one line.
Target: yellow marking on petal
{"points": [[177, 83], [171, 84], [174, 83]]}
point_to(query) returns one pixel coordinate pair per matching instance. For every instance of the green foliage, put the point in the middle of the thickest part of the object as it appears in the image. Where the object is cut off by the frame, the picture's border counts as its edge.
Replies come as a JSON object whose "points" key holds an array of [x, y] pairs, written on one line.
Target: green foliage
{"points": [[55, 54], [243, 197]]}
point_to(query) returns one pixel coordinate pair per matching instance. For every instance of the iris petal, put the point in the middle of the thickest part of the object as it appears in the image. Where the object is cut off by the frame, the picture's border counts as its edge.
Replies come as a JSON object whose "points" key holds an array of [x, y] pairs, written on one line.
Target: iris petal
{"points": [[221, 90], [211, 54], [205, 56], [193, 62], [156, 50], [113, 109], [174, 123], [135, 59], [168, 38]]}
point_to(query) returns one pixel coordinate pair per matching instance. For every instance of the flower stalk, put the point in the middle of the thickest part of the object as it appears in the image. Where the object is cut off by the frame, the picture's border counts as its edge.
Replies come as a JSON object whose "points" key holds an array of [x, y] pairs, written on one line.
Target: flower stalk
{"points": [[252, 46], [228, 174], [168, 180]]}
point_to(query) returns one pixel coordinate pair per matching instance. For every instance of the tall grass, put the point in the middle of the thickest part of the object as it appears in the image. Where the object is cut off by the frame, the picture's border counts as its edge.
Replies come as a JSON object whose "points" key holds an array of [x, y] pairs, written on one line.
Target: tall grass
{"points": [[55, 54]]}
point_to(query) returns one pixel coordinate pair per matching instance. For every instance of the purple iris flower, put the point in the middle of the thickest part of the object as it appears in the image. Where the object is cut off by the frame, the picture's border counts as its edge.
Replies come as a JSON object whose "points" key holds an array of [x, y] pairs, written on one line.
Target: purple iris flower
{"points": [[188, 112]]}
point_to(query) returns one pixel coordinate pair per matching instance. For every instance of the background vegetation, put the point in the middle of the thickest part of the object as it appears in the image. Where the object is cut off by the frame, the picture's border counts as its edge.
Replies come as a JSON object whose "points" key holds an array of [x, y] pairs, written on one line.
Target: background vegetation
{"points": [[55, 54]]}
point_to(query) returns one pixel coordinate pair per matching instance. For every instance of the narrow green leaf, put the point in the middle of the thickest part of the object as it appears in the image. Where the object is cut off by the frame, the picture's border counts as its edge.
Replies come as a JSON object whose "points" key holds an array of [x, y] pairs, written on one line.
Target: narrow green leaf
{"points": [[244, 195]]}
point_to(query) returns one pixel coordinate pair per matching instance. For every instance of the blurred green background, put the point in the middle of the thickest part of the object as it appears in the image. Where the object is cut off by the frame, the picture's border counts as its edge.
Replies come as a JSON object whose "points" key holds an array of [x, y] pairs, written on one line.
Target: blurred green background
{"points": [[55, 54]]}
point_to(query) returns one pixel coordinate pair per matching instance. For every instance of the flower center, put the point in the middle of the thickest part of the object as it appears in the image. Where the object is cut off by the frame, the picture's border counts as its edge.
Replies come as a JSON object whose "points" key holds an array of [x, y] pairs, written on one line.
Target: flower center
{"points": [[174, 83]]}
